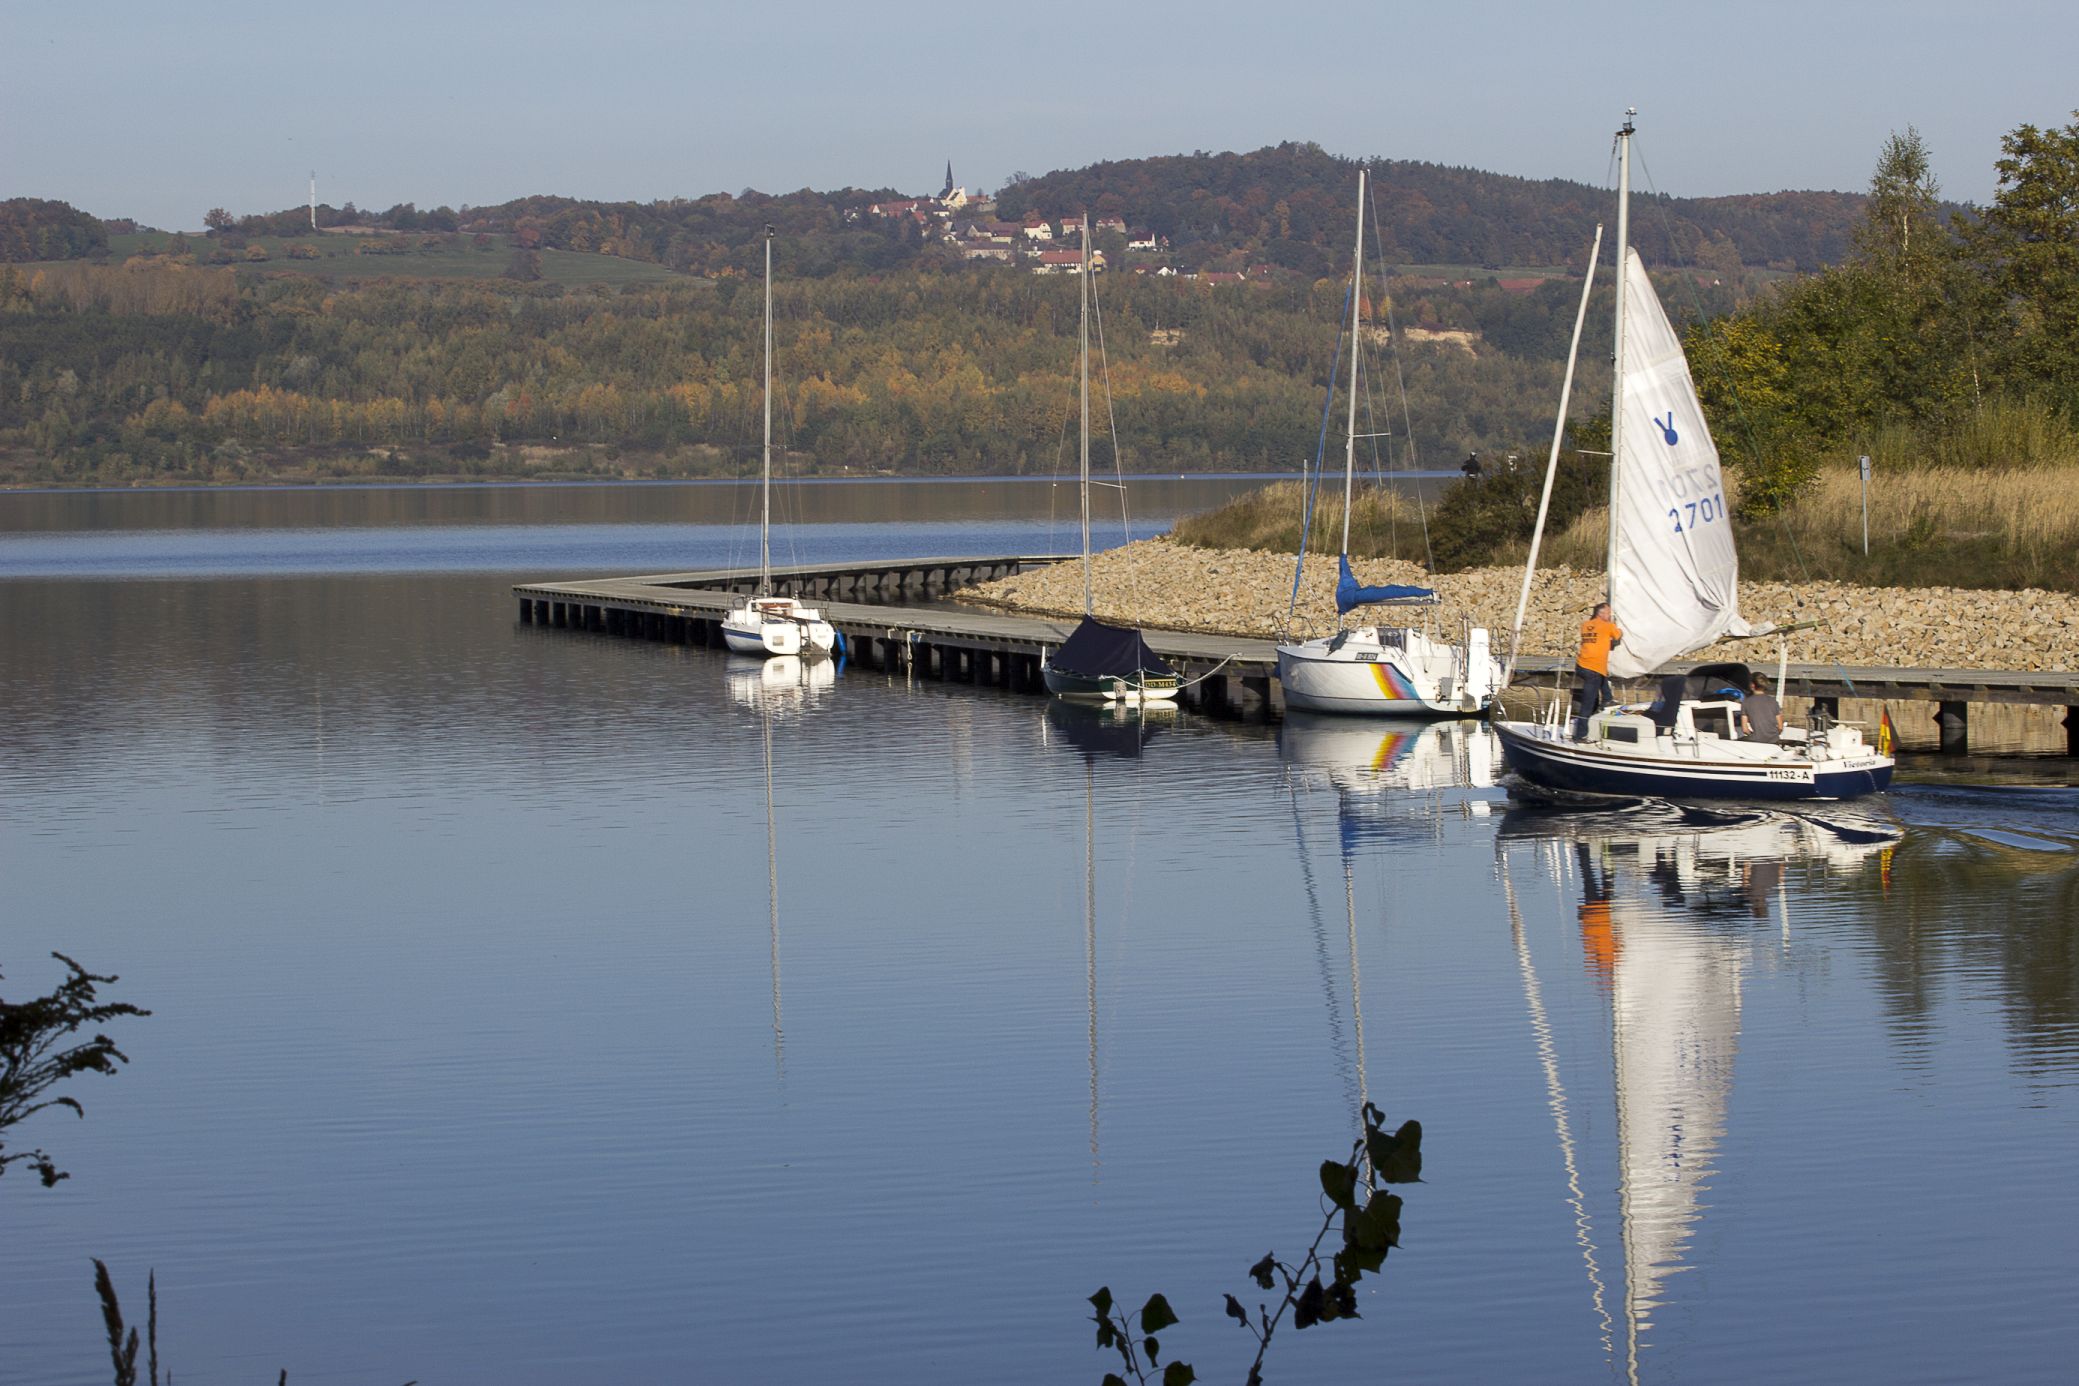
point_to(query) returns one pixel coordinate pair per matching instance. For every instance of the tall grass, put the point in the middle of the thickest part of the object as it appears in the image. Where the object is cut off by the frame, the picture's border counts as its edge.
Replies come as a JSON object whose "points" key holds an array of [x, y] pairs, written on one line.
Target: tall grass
{"points": [[1992, 503], [1383, 523], [1936, 525]]}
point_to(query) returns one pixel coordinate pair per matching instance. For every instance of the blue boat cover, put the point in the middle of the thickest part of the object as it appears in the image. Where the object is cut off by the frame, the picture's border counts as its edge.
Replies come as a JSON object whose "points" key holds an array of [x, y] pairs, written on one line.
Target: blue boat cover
{"points": [[1349, 592], [1096, 650]]}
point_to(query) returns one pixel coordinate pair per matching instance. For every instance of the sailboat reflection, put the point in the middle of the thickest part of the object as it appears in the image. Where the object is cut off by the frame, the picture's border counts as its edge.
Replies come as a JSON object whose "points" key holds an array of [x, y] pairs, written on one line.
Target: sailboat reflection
{"points": [[777, 688], [1113, 731], [1667, 902], [1391, 754]]}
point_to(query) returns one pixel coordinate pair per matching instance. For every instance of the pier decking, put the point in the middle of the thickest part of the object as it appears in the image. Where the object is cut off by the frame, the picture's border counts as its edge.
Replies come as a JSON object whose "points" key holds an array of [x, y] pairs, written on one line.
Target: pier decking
{"points": [[892, 618]]}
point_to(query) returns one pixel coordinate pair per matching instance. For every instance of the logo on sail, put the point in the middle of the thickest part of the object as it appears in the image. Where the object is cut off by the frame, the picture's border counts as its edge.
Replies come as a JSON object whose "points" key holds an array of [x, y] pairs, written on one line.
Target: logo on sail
{"points": [[1667, 427]]}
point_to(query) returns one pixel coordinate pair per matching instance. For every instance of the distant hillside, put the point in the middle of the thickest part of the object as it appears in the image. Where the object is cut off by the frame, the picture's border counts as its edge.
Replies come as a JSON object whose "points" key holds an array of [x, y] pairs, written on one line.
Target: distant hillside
{"points": [[1293, 205], [1288, 207]]}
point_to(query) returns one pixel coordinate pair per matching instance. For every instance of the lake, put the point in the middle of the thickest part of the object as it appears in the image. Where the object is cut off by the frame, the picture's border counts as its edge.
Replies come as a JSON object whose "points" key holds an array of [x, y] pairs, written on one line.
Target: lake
{"points": [[532, 1006]]}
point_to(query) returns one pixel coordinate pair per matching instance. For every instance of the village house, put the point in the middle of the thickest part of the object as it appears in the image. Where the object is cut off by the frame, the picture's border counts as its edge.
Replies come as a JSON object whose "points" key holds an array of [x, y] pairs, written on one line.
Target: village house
{"points": [[1141, 240], [1066, 262], [1036, 229]]}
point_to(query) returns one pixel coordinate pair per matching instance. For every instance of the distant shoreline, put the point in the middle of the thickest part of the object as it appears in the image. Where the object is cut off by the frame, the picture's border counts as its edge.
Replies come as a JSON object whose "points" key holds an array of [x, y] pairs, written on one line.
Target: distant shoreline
{"points": [[453, 482]]}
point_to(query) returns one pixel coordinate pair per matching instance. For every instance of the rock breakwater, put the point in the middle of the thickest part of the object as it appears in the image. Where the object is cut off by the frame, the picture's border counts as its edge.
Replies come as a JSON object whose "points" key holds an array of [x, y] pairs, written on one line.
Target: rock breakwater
{"points": [[1157, 583]]}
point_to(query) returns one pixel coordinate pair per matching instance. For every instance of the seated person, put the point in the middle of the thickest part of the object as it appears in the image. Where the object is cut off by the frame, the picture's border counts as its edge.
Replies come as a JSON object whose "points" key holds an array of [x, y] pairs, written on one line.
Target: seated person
{"points": [[1761, 716]]}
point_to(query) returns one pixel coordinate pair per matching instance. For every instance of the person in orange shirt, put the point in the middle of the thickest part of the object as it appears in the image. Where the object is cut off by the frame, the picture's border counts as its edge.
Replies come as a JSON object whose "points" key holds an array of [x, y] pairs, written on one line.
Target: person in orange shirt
{"points": [[1599, 635]]}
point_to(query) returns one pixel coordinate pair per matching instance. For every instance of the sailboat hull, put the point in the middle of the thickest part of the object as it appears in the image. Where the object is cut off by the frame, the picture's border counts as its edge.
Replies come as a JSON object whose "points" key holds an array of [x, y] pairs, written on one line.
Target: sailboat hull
{"points": [[1544, 755], [777, 626], [1108, 688], [1355, 674]]}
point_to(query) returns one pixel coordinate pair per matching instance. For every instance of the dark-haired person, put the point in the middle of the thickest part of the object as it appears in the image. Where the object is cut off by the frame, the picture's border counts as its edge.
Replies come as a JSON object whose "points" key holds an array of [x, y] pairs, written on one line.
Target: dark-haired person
{"points": [[1761, 716]]}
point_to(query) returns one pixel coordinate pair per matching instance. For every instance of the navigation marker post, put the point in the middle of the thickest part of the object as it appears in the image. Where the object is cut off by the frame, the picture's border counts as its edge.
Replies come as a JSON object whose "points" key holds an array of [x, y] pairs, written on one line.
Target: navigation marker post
{"points": [[1865, 506]]}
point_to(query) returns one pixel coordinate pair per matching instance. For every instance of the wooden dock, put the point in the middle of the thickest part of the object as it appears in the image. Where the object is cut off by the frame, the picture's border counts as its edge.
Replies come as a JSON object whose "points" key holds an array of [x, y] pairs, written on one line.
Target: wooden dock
{"points": [[893, 616]]}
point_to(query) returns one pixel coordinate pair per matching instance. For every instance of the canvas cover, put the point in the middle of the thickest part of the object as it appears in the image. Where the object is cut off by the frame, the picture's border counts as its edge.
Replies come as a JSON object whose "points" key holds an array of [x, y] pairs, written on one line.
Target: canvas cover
{"points": [[1674, 581], [1349, 592], [1096, 650]]}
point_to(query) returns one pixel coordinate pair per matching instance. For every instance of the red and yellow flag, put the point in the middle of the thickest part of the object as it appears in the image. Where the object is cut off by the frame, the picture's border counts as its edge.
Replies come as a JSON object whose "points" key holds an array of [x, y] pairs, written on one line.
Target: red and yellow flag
{"points": [[1884, 733]]}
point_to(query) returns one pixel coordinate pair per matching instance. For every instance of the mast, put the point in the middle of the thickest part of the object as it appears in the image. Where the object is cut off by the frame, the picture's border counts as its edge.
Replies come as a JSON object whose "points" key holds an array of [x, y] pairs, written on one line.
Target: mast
{"points": [[1356, 302], [1566, 394], [1617, 359], [765, 502], [1083, 395]]}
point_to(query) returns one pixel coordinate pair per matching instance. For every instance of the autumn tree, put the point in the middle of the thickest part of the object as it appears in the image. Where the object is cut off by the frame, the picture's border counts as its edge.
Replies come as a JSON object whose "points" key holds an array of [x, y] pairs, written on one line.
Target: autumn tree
{"points": [[2028, 245]]}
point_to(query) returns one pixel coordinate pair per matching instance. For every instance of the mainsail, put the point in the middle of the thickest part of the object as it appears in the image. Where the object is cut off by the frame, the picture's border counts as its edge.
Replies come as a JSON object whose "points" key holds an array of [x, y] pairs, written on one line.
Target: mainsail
{"points": [[1674, 579]]}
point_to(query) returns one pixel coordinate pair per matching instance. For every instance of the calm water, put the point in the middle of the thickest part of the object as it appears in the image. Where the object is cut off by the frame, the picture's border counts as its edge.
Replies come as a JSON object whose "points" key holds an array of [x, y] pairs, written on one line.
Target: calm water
{"points": [[505, 1028]]}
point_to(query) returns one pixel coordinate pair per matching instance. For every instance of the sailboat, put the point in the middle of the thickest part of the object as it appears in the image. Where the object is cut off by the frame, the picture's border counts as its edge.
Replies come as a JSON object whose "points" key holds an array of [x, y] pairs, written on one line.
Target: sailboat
{"points": [[1674, 588], [1101, 663], [1378, 671], [762, 623]]}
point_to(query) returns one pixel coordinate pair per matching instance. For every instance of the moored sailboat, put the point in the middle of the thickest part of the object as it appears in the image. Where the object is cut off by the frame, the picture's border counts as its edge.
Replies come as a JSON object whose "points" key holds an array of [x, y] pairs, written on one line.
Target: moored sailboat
{"points": [[764, 623], [1673, 584], [1372, 670], [1099, 662]]}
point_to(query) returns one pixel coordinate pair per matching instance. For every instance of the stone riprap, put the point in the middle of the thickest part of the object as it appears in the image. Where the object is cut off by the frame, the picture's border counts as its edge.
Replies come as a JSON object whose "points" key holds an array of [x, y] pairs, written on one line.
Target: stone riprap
{"points": [[1160, 584]]}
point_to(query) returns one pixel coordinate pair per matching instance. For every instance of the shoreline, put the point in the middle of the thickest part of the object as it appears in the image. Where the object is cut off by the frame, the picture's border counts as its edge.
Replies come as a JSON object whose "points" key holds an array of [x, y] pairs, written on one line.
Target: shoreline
{"points": [[1245, 592]]}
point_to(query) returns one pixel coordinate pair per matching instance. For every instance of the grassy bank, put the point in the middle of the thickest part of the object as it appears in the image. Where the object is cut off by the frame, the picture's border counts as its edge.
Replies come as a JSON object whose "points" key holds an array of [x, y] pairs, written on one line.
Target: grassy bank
{"points": [[1383, 523], [1931, 524]]}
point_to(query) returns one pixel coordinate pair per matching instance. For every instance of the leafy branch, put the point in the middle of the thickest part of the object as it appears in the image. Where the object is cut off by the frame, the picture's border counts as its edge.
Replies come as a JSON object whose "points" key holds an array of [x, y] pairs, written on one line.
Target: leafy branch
{"points": [[1369, 1227], [35, 1055]]}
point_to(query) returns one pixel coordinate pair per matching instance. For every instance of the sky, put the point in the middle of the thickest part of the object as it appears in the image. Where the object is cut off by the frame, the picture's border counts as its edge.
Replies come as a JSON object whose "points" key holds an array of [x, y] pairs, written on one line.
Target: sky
{"points": [[161, 112]]}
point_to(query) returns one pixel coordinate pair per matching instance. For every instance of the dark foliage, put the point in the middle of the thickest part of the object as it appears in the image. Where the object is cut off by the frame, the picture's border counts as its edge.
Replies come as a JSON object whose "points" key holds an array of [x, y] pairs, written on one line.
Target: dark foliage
{"points": [[1354, 1198], [36, 1055], [1495, 512]]}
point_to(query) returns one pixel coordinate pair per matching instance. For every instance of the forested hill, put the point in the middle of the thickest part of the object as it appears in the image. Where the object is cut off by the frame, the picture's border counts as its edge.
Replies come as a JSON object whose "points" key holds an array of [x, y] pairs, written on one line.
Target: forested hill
{"points": [[1289, 206], [1293, 204]]}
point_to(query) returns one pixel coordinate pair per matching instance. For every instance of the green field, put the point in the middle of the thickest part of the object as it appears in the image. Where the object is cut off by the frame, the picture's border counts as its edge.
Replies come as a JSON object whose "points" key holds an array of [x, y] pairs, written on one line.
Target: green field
{"points": [[341, 256]]}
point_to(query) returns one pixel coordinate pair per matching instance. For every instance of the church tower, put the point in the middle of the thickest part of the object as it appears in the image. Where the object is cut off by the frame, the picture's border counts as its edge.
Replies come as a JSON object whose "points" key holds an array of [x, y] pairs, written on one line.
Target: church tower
{"points": [[948, 191]]}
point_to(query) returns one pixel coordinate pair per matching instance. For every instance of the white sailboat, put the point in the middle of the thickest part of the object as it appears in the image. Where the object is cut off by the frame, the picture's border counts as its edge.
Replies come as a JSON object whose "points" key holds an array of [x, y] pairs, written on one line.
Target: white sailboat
{"points": [[763, 623], [1099, 662], [1391, 671], [1674, 588]]}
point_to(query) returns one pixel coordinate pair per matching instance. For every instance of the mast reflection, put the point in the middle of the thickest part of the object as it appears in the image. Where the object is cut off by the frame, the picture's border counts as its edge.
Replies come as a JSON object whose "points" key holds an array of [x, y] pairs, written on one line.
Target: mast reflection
{"points": [[1111, 732], [777, 689], [1667, 903]]}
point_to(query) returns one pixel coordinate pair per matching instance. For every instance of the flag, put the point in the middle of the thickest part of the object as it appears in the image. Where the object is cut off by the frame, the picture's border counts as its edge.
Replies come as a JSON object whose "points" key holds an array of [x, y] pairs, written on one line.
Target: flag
{"points": [[1884, 733]]}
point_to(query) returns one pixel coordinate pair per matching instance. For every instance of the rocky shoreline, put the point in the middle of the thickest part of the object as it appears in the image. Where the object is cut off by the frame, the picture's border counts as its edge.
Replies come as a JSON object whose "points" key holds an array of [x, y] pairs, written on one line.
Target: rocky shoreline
{"points": [[1161, 584]]}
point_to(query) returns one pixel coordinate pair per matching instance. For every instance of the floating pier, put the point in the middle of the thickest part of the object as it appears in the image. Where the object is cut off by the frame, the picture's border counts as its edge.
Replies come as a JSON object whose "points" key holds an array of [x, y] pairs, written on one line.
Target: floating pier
{"points": [[893, 616]]}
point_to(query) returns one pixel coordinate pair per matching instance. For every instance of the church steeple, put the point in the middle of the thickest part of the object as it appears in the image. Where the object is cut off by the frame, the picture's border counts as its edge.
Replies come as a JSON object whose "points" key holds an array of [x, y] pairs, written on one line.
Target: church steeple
{"points": [[949, 180]]}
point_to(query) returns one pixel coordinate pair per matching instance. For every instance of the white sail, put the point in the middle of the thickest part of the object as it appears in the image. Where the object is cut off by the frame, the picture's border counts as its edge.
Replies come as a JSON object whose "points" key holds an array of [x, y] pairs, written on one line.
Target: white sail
{"points": [[1674, 580]]}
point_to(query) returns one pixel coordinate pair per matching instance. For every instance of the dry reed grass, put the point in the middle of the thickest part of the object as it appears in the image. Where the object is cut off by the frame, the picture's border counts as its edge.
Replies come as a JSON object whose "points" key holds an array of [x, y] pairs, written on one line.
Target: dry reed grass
{"points": [[1930, 525], [1383, 523]]}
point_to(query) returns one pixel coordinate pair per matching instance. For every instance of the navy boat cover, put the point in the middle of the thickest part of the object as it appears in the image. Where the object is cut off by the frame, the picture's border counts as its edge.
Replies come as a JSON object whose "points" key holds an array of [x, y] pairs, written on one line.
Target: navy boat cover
{"points": [[1096, 650], [1349, 592]]}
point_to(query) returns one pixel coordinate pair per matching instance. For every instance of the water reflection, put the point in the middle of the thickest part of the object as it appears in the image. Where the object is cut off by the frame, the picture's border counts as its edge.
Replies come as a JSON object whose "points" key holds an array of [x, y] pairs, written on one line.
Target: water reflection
{"points": [[1668, 900], [1100, 734], [777, 689]]}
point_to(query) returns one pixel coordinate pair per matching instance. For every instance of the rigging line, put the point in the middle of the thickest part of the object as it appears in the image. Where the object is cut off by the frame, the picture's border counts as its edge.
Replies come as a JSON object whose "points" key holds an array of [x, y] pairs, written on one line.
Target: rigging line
{"points": [[1371, 420], [1407, 419], [1556, 1102], [1747, 431], [1310, 488], [1104, 370]]}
